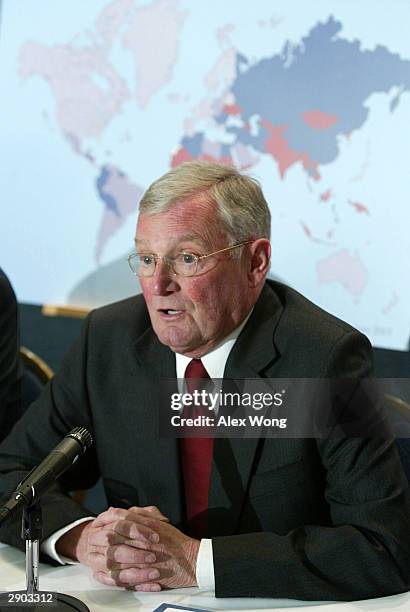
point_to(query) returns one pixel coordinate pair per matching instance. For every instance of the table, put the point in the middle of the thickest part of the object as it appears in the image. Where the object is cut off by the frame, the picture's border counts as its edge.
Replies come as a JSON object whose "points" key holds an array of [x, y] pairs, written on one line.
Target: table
{"points": [[77, 580]]}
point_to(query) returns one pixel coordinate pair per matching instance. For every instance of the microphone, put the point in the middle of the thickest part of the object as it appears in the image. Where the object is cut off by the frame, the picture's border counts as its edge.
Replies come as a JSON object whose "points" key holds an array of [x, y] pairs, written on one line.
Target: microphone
{"points": [[42, 477]]}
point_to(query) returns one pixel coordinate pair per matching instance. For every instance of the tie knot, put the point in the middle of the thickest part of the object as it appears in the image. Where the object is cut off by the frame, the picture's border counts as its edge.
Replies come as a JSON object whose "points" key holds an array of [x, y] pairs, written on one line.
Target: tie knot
{"points": [[196, 369]]}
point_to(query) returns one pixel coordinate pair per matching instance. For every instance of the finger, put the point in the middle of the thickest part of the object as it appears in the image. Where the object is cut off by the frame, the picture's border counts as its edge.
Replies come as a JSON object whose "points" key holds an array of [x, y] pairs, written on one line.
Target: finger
{"points": [[105, 578], [101, 562], [122, 531], [148, 587], [134, 576], [115, 514], [103, 541], [109, 516], [104, 536], [152, 510], [129, 554], [142, 530]]}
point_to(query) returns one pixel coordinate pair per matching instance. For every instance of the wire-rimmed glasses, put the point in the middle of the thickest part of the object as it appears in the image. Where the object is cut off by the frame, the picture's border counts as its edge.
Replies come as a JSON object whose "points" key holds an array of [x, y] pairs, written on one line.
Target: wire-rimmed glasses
{"points": [[182, 264]]}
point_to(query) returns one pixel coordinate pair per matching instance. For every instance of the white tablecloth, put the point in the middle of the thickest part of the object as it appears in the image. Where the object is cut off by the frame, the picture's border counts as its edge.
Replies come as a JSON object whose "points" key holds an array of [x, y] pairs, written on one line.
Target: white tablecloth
{"points": [[76, 580]]}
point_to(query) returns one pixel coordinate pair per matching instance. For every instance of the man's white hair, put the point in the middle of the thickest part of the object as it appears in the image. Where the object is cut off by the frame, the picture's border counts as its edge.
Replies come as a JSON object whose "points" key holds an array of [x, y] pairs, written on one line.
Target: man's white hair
{"points": [[240, 204]]}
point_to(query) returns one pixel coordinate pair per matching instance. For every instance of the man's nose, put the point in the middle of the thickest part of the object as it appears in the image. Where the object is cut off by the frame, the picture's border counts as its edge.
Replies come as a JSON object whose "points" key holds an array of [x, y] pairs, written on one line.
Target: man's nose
{"points": [[165, 281]]}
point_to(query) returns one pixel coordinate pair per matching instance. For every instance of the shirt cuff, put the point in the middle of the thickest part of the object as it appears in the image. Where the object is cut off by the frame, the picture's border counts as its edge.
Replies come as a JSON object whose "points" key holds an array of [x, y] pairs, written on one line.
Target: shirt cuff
{"points": [[48, 547], [205, 574]]}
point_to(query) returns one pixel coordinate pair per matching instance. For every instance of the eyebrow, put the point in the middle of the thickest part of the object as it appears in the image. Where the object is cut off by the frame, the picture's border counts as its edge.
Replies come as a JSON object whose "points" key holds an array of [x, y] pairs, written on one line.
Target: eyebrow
{"points": [[185, 238]]}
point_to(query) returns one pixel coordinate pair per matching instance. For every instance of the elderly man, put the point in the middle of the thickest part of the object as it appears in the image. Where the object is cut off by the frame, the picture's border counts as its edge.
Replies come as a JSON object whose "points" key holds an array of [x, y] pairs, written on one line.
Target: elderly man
{"points": [[300, 518]]}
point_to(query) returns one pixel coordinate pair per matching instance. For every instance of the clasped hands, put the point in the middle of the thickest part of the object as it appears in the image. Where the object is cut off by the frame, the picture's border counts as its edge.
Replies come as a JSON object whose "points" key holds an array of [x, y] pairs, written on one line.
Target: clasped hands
{"points": [[136, 549]]}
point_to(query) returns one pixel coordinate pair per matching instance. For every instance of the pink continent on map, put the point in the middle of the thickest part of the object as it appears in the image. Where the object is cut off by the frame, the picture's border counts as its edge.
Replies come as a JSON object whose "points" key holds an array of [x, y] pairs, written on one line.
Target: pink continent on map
{"points": [[278, 147], [223, 73], [111, 18], [344, 268], [84, 106], [219, 78], [153, 38]]}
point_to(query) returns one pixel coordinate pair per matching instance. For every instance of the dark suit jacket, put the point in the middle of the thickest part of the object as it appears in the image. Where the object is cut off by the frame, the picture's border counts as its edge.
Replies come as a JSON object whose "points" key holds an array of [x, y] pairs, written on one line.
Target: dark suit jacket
{"points": [[10, 409], [300, 518]]}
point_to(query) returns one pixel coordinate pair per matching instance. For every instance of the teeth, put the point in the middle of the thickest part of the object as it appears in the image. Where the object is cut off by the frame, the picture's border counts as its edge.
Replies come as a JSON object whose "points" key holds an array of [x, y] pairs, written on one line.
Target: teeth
{"points": [[173, 311]]}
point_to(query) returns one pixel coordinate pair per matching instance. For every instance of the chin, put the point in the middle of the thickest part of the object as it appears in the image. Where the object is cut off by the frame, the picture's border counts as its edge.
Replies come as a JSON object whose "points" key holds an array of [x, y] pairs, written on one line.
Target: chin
{"points": [[178, 345]]}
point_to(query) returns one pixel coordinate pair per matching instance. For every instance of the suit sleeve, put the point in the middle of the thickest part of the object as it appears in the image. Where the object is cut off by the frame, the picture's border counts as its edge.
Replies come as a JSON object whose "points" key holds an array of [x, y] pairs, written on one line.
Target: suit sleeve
{"points": [[9, 358], [364, 553], [63, 405]]}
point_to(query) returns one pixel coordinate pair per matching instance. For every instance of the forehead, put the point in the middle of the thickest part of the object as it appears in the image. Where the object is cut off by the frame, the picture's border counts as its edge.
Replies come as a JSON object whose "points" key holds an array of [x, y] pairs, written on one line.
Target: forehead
{"points": [[187, 221]]}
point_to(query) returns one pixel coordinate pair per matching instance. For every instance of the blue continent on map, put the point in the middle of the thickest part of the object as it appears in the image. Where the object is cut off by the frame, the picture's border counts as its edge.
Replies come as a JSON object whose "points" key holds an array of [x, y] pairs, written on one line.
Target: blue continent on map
{"points": [[107, 197], [303, 99], [120, 197]]}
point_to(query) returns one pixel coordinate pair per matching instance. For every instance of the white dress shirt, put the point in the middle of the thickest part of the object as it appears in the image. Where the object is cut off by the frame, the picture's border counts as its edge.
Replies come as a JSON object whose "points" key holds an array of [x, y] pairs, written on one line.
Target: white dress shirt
{"points": [[214, 363]]}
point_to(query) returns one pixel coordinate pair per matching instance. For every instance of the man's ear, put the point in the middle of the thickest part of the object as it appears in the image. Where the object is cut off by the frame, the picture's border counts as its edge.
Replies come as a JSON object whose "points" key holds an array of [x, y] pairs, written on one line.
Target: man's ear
{"points": [[259, 261]]}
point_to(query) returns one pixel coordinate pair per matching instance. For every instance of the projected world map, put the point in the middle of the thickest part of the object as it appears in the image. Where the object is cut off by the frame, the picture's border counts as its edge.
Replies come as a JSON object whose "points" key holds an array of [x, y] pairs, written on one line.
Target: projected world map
{"points": [[314, 103]]}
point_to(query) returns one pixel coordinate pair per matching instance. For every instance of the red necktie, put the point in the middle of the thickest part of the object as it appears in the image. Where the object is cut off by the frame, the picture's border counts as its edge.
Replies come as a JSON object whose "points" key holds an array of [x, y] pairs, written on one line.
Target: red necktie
{"points": [[196, 456]]}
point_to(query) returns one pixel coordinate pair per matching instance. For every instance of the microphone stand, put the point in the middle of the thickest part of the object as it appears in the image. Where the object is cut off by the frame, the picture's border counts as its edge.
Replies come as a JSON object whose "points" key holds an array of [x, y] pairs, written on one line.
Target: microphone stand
{"points": [[31, 530], [32, 598]]}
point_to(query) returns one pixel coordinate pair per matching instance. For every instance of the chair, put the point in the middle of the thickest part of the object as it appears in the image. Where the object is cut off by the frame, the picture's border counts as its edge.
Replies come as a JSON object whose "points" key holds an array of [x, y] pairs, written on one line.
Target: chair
{"points": [[399, 415], [35, 375], [37, 366]]}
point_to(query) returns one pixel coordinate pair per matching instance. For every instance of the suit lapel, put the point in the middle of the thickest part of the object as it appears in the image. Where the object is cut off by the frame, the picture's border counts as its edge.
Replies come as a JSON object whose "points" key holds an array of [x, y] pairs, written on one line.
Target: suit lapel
{"points": [[253, 356], [255, 350], [153, 355]]}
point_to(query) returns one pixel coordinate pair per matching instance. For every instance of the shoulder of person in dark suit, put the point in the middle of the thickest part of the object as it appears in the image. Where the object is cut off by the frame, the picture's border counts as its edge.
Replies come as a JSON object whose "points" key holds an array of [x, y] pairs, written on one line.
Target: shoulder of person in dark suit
{"points": [[9, 357], [306, 340]]}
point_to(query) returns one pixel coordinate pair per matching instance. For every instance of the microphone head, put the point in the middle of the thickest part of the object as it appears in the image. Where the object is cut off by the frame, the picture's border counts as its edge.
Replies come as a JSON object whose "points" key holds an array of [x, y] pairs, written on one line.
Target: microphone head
{"points": [[83, 437]]}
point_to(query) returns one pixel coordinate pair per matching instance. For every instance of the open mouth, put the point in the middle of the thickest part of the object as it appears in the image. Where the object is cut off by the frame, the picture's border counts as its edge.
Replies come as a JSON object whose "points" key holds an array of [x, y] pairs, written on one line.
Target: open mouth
{"points": [[169, 312]]}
